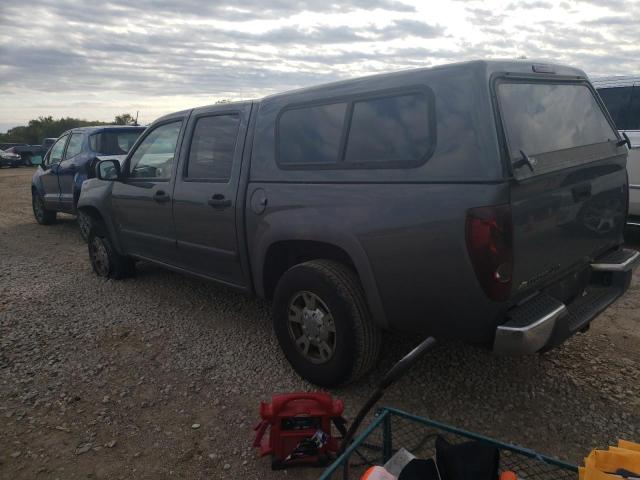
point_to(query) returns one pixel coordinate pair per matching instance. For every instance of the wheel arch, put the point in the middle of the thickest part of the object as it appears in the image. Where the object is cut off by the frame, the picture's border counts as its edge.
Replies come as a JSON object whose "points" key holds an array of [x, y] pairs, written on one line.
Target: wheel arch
{"points": [[279, 255], [99, 215], [36, 185]]}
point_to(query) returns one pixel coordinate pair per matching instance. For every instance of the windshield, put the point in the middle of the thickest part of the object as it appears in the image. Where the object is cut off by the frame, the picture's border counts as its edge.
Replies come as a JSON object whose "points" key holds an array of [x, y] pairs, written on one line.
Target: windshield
{"points": [[542, 117], [114, 142]]}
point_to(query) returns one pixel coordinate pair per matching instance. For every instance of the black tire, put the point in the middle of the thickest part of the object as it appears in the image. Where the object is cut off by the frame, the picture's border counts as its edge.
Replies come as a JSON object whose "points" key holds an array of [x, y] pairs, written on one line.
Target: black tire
{"points": [[356, 340], [105, 260], [85, 224], [41, 214]]}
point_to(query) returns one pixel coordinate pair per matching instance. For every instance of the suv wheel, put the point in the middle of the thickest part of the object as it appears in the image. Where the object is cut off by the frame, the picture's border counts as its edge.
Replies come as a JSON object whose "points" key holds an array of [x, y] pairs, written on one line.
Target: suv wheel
{"points": [[41, 214], [323, 324], [85, 222], [105, 260]]}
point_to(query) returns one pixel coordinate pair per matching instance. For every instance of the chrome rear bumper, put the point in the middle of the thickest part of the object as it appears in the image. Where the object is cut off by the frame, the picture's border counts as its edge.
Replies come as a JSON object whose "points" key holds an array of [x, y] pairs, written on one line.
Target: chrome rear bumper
{"points": [[544, 321]]}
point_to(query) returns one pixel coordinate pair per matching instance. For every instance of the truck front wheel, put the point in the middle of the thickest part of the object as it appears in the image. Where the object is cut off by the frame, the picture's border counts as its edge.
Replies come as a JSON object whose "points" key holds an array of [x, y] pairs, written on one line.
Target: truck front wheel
{"points": [[85, 223], [105, 260], [323, 325]]}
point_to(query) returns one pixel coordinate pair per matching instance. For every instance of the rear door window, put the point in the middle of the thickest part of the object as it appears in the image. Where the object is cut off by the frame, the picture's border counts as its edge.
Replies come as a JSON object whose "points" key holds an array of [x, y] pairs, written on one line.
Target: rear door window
{"points": [[544, 118], [212, 147]]}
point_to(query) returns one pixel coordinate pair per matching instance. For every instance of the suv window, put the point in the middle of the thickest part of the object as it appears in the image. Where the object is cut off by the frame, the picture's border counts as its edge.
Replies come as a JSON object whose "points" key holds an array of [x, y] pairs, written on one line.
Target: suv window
{"points": [[56, 151], [113, 143], [542, 117], [75, 146], [391, 129], [212, 147], [619, 103], [154, 156]]}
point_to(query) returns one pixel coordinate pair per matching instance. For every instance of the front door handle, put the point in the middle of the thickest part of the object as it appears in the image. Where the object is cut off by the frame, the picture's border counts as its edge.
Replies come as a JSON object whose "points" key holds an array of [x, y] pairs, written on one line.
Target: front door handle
{"points": [[161, 197], [219, 201]]}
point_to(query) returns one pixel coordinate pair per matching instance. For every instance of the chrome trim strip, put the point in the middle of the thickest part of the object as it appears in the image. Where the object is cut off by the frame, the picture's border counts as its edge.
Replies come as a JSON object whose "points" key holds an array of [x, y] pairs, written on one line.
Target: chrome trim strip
{"points": [[635, 224], [549, 316], [634, 186], [617, 267]]}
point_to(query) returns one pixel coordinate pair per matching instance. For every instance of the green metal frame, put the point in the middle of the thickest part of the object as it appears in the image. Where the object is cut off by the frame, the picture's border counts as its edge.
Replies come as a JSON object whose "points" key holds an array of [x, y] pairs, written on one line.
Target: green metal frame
{"points": [[384, 417]]}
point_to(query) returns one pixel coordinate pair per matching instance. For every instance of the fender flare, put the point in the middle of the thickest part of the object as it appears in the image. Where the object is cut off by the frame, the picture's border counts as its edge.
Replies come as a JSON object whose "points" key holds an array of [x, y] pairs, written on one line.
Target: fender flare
{"points": [[349, 244], [98, 199]]}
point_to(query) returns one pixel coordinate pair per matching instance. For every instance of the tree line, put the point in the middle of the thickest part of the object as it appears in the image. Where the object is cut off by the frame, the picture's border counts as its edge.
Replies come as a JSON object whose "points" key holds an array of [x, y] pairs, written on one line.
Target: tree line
{"points": [[47, 127]]}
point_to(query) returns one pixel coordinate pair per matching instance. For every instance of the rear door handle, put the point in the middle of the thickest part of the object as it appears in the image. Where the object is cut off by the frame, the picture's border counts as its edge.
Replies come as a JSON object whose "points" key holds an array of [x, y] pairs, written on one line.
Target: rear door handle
{"points": [[161, 197], [219, 201]]}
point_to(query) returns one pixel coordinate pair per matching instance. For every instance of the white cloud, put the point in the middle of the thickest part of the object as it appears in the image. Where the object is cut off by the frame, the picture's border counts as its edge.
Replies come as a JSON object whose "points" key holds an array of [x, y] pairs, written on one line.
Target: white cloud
{"points": [[95, 59]]}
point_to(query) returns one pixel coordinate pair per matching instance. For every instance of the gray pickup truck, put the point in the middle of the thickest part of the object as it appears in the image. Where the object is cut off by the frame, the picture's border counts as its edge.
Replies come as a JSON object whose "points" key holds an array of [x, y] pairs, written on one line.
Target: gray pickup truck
{"points": [[482, 201]]}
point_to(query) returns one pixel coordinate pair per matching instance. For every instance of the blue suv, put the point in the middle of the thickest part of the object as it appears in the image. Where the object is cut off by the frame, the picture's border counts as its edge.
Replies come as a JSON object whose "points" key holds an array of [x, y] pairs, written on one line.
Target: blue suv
{"points": [[55, 186]]}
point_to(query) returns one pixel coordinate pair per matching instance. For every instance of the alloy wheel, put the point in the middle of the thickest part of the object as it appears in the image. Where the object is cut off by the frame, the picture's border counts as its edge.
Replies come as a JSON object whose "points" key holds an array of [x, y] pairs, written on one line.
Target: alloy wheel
{"points": [[99, 257], [84, 222], [311, 327]]}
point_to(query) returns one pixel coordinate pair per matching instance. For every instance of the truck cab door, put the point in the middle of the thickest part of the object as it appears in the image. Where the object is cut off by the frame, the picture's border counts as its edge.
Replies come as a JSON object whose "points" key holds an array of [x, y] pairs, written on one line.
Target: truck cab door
{"points": [[67, 170], [49, 178], [206, 200], [142, 201]]}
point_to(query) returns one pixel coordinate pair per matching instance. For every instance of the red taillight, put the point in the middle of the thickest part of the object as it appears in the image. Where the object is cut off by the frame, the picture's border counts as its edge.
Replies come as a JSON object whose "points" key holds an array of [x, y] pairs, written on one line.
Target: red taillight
{"points": [[489, 243]]}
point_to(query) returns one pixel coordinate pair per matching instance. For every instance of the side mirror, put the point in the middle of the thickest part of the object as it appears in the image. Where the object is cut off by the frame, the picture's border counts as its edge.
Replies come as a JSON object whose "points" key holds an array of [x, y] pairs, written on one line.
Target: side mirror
{"points": [[108, 170]]}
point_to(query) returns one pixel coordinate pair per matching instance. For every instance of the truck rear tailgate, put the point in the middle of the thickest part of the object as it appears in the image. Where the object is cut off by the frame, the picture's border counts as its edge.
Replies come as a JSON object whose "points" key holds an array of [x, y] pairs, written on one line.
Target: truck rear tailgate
{"points": [[569, 188]]}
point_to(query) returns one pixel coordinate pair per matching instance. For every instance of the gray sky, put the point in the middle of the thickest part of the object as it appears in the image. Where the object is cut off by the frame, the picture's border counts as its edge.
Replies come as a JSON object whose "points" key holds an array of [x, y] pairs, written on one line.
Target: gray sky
{"points": [[95, 59]]}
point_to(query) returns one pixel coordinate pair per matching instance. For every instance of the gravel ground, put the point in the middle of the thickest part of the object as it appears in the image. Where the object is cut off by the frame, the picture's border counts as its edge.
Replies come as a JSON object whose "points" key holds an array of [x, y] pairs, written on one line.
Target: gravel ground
{"points": [[160, 376]]}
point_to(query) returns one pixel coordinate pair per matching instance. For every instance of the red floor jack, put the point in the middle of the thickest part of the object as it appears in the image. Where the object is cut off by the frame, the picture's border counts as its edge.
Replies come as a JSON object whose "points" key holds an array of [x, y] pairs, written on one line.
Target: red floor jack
{"points": [[300, 424]]}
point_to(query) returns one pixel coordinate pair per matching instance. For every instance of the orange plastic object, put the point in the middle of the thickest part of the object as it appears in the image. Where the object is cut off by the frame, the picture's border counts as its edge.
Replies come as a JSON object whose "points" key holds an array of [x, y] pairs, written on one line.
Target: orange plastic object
{"points": [[377, 473], [508, 475]]}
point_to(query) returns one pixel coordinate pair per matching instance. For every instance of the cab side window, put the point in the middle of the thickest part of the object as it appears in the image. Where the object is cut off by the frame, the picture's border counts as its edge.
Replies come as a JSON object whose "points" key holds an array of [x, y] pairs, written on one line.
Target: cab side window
{"points": [[74, 147], [153, 159], [212, 146], [55, 154]]}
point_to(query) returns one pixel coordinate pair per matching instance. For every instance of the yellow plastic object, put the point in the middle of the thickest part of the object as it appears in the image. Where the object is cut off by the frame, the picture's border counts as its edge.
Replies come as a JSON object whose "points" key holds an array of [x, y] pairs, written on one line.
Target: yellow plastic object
{"points": [[599, 462], [616, 458], [629, 445], [586, 473]]}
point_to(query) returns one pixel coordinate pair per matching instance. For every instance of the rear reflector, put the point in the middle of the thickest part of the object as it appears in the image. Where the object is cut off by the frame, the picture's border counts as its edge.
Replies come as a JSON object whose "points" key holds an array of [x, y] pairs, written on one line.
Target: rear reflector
{"points": [[489, 242]]}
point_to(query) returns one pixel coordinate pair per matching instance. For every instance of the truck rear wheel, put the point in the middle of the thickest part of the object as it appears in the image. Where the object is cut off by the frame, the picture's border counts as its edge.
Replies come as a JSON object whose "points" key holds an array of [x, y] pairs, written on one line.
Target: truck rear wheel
{"points": [[323, 325]]}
